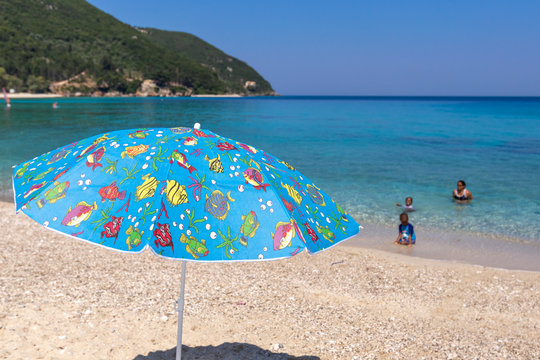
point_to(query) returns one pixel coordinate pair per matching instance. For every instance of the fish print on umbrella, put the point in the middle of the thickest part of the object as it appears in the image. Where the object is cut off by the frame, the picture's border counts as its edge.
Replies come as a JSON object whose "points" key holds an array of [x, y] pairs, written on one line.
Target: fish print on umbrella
{"points": [[94, 145], [163, 236], [201, 133], [293, 193], [59, 175], [180, 130], [194, 247], [112, 228], [134, 238], [139, 134], [80, 213], [111, 193], [133, 151], [311, 233], [315, 195], [286, 164], [176, 194], [20, 172], [249, 227], [217, 204], [41, 175], [35, 190], [284, 234], [93, 159], [53, 195], [326, 232], [248, 148], [225, 146], [181, 160], [147, 188], [254, 177], [221, 199], [61, 154], [214, 164], [190, 141]]}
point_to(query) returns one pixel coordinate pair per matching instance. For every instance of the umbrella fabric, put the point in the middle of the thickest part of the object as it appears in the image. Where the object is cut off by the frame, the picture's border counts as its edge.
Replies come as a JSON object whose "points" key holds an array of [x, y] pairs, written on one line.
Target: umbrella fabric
{"points": [[185, 193]]}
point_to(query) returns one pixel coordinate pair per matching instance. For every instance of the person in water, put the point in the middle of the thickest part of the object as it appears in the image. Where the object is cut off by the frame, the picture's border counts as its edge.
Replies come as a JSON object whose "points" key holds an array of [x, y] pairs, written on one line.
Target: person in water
{"points": [[406, 234], [461, 193], [408, 204]]}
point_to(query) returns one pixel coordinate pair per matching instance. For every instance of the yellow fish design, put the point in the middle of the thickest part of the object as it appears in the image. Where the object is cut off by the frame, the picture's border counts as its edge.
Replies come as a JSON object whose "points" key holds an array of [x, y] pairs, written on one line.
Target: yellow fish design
{"points": [[295, 195], [289, 166], [176, 193], [132, 151], [147, 188], [214, 164]]}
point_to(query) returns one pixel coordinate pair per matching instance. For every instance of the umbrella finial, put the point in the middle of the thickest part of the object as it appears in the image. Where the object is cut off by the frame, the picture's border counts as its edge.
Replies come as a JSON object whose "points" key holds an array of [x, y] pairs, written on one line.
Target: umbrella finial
{"points": [[197, 126]]}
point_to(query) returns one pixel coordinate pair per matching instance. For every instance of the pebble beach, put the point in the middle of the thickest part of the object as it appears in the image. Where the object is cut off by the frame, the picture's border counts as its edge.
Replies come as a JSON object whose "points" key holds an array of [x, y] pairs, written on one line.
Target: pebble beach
{"points": [[66, 299]]}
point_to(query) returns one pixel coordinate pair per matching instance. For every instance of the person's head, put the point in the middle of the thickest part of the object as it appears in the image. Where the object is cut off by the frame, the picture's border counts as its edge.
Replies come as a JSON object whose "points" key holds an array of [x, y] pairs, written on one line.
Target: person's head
{"points": [[461, 185], [404, 218], [408, 201]]}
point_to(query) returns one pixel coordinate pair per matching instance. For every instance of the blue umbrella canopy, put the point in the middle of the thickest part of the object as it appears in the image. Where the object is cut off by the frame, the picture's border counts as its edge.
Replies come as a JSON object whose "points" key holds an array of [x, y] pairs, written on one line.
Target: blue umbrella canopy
{"points": [[185, 193]]}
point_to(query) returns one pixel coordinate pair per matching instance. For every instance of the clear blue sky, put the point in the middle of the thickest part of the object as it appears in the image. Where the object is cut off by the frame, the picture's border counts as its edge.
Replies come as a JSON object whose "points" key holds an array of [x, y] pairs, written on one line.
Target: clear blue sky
{"points": [[366, 47]]}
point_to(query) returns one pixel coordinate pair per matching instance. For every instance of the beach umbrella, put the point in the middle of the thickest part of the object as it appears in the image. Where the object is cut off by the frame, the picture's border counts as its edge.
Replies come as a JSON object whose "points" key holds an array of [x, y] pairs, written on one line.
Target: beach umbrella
{"points": [[185, 193]]}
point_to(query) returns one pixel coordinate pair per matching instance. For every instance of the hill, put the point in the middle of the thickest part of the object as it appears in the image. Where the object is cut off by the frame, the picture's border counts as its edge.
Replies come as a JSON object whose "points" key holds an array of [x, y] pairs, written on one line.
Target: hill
{"points": [[71, 47], [238, 75]]}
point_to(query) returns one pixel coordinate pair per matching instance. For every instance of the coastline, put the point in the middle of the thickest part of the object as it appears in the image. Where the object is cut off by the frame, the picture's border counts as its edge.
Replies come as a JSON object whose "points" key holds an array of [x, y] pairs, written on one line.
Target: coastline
{"points": [[63, 297], [33, 96], [51, 96], [434, 244], [454, 247]]}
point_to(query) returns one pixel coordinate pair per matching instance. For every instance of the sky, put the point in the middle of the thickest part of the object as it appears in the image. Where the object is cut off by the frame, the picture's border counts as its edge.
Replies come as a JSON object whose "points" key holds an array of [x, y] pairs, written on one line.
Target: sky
{"points": [[364, 47]]}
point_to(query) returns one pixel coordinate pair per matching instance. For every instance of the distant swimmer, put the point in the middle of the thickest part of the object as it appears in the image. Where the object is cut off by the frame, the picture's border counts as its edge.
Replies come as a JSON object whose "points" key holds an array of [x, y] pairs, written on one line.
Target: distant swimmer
{"points": [[6, 98], [408, 204], [461, 194], [55, 105]]}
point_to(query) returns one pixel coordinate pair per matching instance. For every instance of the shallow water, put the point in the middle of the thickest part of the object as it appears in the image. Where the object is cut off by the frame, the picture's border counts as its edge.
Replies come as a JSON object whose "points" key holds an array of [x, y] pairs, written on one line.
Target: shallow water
{"points": [[367, 153]]}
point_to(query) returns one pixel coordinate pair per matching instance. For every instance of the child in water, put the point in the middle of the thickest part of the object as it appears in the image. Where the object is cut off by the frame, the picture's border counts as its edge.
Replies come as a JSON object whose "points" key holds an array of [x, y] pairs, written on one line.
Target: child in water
{"points": [[406, 231], [408, 204]]}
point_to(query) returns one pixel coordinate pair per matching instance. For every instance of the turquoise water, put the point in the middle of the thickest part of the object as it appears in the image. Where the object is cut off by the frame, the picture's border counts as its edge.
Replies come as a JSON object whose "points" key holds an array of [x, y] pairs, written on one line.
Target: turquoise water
{"points": [[367, 153]]}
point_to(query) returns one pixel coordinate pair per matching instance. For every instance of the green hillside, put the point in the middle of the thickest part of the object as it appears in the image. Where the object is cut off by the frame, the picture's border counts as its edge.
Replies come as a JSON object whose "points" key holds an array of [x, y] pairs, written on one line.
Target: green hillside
{"points": [[70, 47], [233, 72]]}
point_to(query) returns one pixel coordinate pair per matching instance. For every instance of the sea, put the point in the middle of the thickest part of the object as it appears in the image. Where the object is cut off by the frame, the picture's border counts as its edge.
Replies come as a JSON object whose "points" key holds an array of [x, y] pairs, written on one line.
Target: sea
{"points": [[367, 153]]}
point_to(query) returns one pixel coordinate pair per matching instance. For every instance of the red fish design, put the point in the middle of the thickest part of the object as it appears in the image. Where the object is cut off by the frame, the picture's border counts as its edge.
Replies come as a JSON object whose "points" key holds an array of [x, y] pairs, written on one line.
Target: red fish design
{"points": [[287, 204], [112, 228], [111, 193], [93, 159], [33, 189], [163, 236], [311, 233], [225, 146], [190, 141], [199, 133], [181, 160], [254, 177], [248, 148], [60, 174]]}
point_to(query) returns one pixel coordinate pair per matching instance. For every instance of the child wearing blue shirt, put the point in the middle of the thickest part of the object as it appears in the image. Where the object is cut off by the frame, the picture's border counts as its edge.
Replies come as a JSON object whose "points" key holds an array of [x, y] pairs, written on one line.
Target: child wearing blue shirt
{"points": [[406, 231]]}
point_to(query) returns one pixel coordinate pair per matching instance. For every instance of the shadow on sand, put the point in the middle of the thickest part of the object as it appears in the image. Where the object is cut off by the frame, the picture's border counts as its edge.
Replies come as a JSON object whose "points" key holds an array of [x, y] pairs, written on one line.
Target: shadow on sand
{"points": [[225, 351]]}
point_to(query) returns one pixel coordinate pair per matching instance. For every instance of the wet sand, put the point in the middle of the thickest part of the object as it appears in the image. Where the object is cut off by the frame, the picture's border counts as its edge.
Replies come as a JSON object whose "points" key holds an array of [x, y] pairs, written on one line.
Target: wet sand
{"points": [[63, 298], [458, 246]]}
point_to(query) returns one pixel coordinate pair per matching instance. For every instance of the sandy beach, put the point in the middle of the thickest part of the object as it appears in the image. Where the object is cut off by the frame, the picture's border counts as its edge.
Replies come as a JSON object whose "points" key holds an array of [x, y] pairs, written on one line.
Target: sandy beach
{"points": [[63, 298]]}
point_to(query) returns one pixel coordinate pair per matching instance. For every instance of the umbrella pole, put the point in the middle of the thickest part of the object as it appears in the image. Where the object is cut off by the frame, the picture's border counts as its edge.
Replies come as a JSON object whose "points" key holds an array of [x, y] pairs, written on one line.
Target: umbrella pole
{"points": [[179, 307]]}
